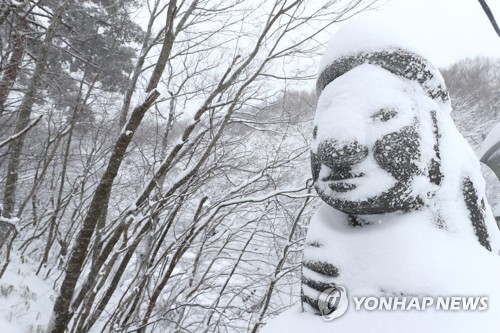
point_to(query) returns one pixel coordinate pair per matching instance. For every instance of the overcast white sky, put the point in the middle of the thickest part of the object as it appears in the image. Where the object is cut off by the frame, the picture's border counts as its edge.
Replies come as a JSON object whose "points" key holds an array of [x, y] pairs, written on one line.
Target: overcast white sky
{"points": [[444, 30]]}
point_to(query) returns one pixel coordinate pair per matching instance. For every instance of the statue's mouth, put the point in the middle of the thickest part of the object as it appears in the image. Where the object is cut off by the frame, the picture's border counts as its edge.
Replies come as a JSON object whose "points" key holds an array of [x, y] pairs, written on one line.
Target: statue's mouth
{"points": [[341, 187], [341, 181]]}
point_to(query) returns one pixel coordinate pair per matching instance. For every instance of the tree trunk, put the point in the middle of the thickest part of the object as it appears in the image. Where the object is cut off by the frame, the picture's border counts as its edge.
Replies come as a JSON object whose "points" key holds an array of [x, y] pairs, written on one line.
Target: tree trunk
{"points": [[24, 114], [61, 314], [10, 74]]}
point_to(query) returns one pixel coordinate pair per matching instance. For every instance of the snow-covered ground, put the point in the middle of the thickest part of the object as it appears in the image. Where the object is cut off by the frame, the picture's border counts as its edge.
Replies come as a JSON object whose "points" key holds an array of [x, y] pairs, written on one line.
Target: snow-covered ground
{"points": [[26, 300]]}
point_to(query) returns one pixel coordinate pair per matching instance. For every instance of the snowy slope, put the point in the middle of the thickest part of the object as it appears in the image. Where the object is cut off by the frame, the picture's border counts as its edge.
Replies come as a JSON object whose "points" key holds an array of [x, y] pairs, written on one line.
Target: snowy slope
{"points": [[26, 301]]}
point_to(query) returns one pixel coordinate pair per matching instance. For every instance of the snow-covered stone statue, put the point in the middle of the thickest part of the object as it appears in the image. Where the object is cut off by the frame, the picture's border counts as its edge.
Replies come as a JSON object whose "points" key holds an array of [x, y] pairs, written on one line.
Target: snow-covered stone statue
{"points": [[404, 209]]}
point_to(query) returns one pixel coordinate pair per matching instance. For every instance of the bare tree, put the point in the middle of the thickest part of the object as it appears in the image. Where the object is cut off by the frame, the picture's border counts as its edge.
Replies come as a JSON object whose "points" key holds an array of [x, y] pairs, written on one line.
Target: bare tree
{"points": [[185, 212]]}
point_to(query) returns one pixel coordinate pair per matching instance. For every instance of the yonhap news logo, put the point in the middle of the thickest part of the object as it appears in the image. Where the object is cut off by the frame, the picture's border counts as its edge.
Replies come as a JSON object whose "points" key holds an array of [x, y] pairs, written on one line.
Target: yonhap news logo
{"points": [[333, 303], [421, 303]]}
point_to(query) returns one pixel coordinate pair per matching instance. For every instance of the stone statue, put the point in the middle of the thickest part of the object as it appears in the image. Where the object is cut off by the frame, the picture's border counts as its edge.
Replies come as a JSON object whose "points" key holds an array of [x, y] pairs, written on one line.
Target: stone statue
{"points": [[404, 211], [399, 183]]}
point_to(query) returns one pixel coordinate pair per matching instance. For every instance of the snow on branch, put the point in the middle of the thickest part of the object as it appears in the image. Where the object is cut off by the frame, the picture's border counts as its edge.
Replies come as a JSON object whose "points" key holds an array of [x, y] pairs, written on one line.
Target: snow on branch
{"points": [[17, 135]]}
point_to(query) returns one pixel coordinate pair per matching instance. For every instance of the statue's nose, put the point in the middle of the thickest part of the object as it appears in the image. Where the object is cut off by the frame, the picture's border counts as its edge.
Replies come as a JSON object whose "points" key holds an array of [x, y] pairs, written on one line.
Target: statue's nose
{"points": [[335, 154]]}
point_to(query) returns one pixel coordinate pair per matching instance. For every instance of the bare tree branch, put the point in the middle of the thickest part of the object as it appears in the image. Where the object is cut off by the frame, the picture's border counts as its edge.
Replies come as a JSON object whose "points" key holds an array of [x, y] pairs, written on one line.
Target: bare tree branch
{"points": [[17, 135], [488, 12]]}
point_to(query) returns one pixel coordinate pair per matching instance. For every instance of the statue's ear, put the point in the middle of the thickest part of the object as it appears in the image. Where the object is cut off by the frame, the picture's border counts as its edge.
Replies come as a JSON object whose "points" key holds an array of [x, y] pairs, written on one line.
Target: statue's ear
{"points": [[435, 173], [477, 211], [315, 166]]}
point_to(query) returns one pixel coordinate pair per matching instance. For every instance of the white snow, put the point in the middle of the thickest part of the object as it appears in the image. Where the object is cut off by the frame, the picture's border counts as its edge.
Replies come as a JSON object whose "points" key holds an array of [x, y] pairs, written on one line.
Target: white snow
{"points": [[26, 300], [12, 220], [402, 252], [405, 254], [363, 35], [346, 106]]}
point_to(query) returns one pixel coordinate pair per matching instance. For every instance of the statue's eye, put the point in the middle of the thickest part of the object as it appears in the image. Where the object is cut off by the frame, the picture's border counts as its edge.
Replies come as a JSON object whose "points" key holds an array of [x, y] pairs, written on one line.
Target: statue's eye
{"points": [[384, 115], [315, 132]]}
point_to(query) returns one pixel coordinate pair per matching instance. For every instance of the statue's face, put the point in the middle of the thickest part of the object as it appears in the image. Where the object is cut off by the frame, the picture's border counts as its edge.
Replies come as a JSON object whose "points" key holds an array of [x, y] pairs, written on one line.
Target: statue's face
{"points": [[367, 148]]}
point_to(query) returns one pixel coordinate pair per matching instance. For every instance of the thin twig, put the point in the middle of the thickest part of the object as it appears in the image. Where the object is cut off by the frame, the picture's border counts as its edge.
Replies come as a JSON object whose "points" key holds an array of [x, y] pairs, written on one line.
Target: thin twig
{"points": [[17, 135]]}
